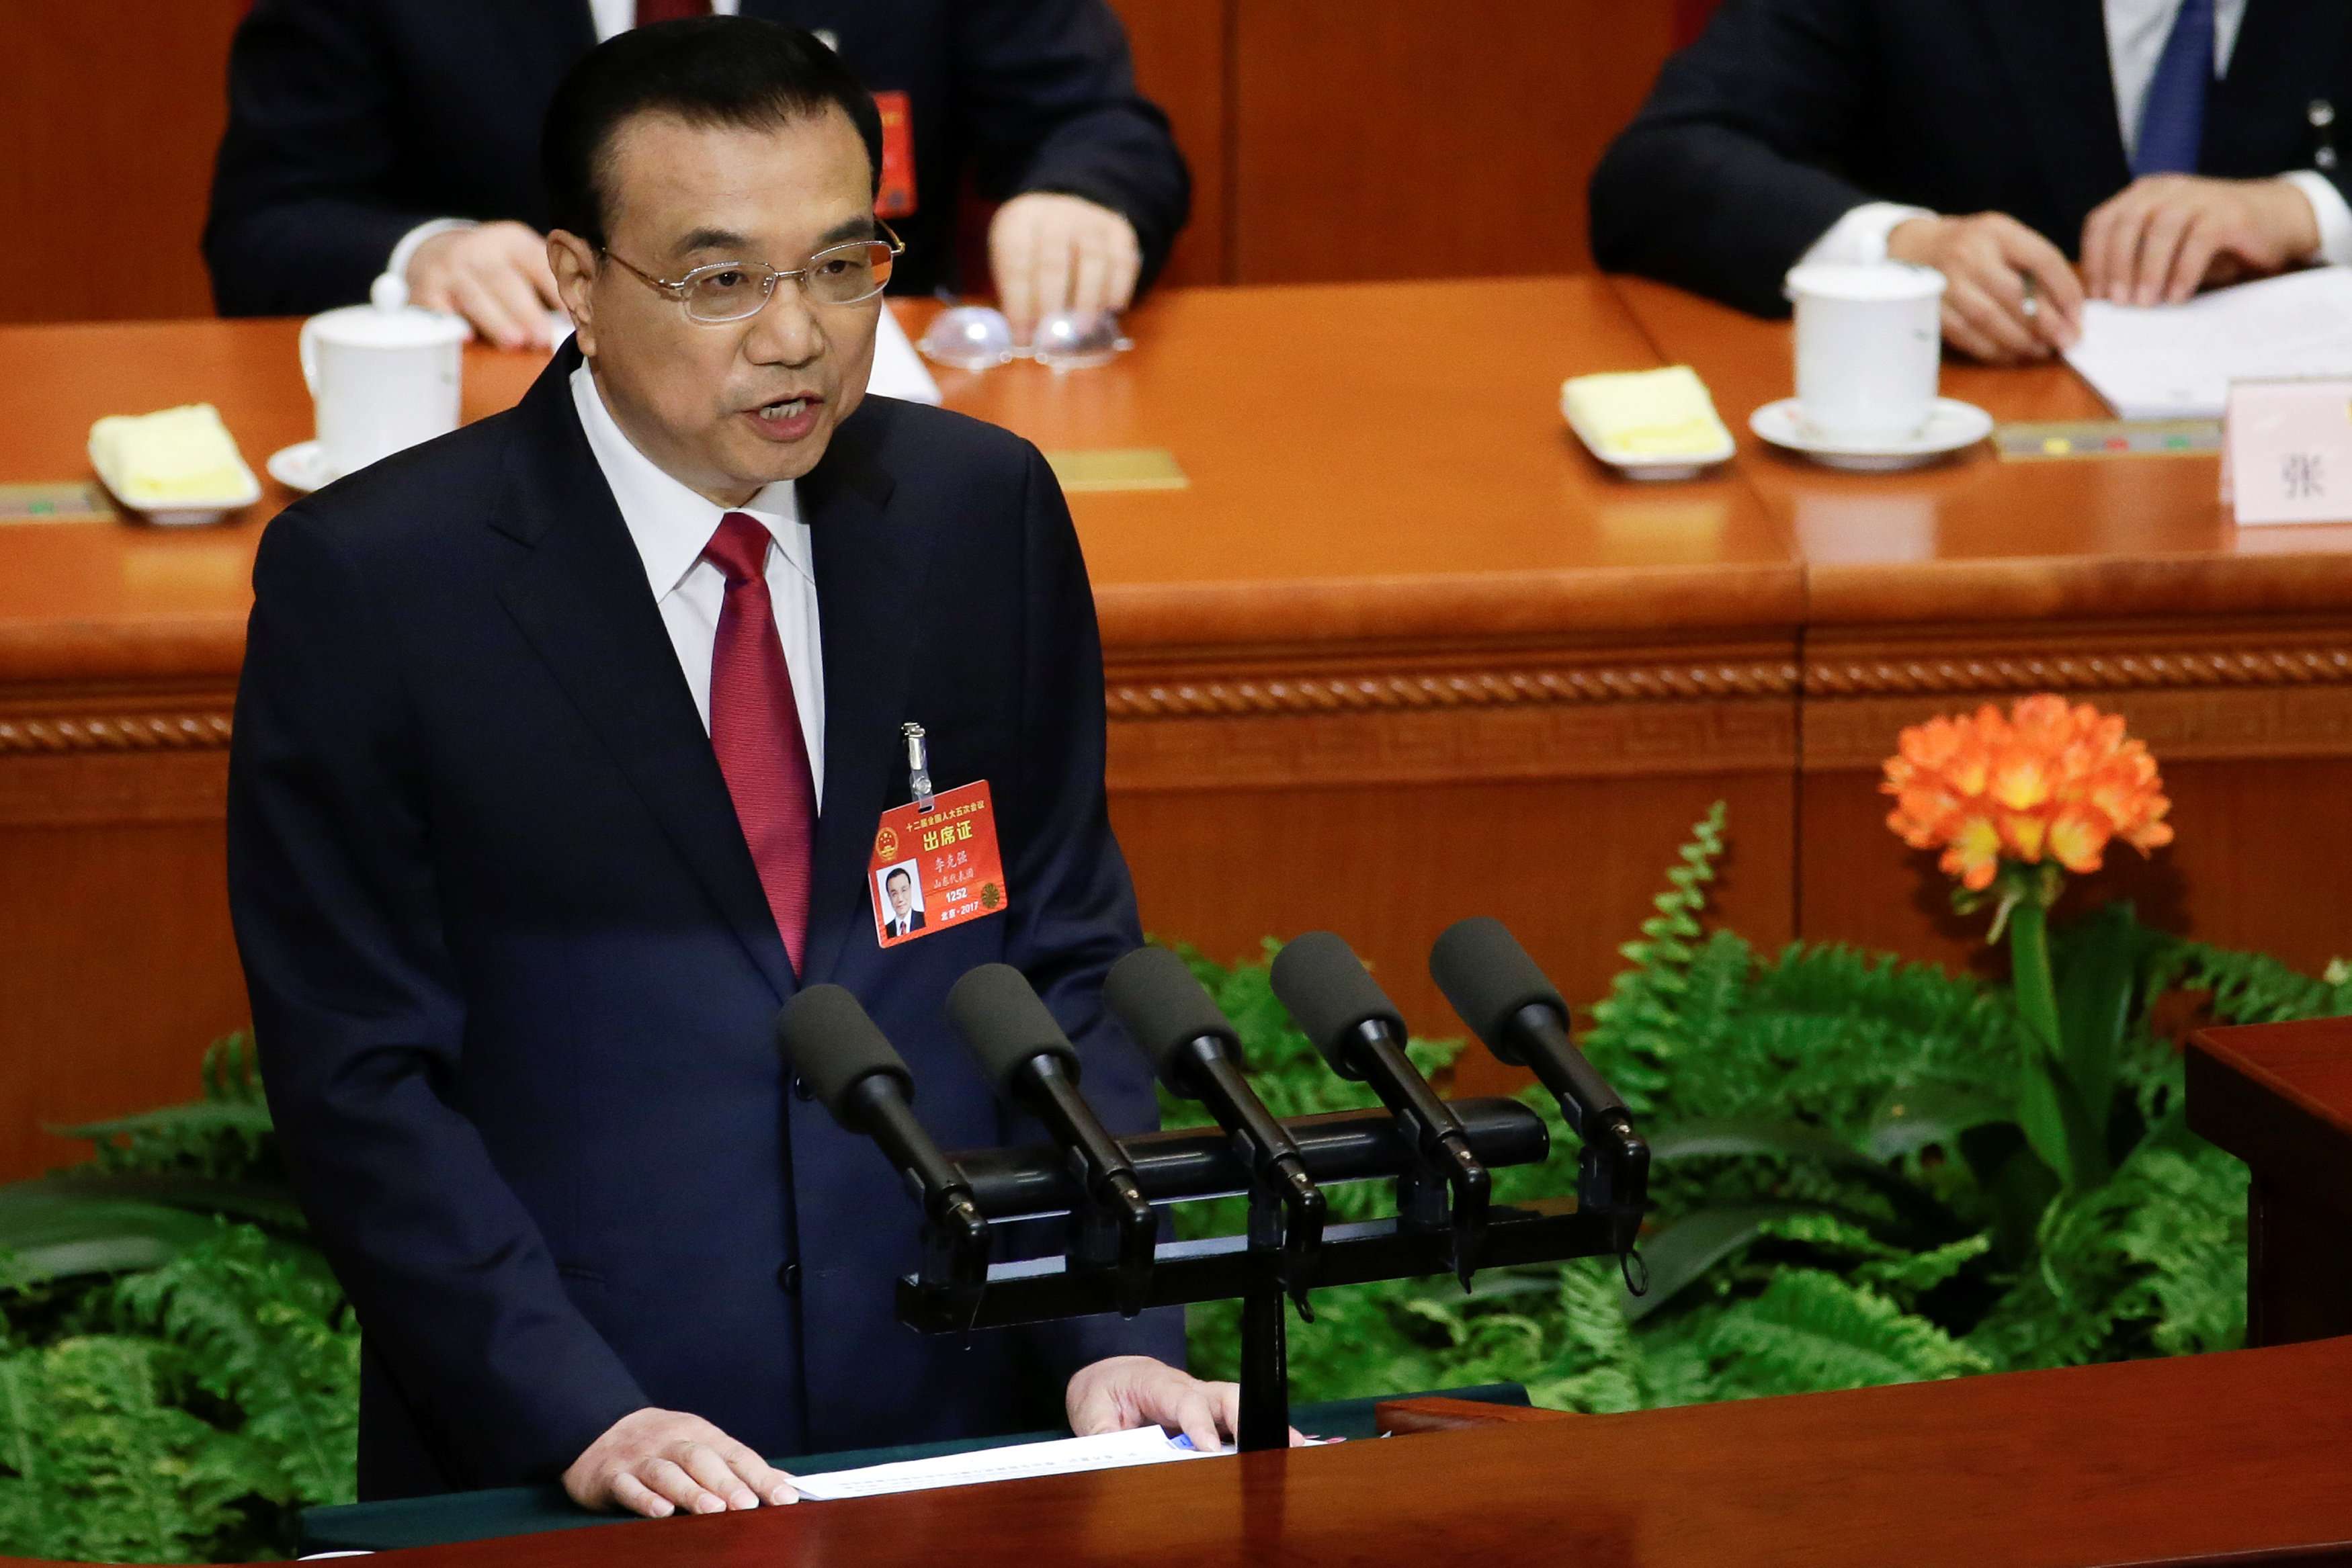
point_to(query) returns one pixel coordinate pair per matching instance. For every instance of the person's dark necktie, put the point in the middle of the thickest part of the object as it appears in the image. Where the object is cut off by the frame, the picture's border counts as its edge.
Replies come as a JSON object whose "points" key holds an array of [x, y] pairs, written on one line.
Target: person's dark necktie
{"points": [[671, 10], [755, 728], [2173, 121]]}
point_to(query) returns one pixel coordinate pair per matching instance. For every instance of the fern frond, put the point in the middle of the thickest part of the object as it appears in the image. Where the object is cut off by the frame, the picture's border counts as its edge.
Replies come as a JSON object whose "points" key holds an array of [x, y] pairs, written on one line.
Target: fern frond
{"points": [[1811, 1330]]}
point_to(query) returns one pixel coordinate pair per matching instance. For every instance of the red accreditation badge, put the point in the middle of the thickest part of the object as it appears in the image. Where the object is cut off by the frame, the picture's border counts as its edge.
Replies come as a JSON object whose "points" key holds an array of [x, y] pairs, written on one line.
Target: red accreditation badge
{"points": [[895, 197], [937, 868]]}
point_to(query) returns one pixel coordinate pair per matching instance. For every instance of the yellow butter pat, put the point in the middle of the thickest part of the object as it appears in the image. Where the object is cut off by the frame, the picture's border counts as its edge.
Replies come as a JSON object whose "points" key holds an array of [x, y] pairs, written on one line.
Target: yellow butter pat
{"points": [[176, 456], [1645, 413]]}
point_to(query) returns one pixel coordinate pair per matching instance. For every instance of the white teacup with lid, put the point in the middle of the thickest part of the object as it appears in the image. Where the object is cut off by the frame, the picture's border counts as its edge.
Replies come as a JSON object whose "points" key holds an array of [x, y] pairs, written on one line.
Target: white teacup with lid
{"points": [[383, 376], [1870, 345]]}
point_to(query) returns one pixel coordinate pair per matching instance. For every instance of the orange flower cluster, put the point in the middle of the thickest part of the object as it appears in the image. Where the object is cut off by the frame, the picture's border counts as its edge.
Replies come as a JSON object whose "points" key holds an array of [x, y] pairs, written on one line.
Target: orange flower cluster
{"points": [[2047, 782]]}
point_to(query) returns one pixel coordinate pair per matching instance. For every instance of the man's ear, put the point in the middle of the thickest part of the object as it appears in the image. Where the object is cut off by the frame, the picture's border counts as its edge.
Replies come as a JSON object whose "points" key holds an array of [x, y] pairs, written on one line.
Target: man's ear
{"points": [[574, 261]]}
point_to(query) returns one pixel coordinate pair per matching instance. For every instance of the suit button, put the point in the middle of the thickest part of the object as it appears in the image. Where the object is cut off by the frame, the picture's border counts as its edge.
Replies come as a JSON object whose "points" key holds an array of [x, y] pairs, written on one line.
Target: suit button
{"points": [[789, 1277], [801, 1089]]}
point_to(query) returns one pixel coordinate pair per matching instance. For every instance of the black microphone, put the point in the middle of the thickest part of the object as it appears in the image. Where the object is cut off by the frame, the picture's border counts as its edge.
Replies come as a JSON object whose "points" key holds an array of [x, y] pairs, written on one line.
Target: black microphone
{"points": [[1510, 1003], [1339, 1006], [1034, 1066], [1198, 1056], [860, 1078]]}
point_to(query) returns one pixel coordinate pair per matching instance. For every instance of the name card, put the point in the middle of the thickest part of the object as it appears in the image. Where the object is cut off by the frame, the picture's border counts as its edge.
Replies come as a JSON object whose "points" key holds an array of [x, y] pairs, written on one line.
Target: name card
{"points": [[2287, 454]]}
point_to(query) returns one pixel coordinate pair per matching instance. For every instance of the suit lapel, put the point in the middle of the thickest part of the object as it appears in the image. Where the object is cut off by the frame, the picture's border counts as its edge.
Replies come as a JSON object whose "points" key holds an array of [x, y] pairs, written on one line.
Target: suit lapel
{"points": [[581, 597], [2055, 52], [867, 576]]}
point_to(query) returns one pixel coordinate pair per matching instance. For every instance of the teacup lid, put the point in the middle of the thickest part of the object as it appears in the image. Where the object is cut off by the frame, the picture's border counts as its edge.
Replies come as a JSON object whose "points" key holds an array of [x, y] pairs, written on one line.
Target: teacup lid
{"points": [[388, 321], [1864, 281]]}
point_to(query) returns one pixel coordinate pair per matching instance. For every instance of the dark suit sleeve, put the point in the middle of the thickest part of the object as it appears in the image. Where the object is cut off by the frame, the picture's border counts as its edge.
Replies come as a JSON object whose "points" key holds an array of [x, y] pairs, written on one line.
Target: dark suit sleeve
{"points": [[1727, 175], [297, 223], [359, 1021], [1073, 908], [1046, 90]]}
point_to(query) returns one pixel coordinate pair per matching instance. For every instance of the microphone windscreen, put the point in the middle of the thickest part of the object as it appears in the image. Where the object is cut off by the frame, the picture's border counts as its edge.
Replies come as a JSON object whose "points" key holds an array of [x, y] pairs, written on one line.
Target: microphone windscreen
{"points": [[1329, 992], [1153, 992], [1488, 978], [1005, 1023], [826, 1037]]}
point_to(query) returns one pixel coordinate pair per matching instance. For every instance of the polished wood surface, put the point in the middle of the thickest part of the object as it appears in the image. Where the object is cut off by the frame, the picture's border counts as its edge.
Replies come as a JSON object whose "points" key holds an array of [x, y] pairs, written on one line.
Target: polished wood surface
{"points": [[113, 114], [2279, 1096], [1415, 1417], [2196, 1459], [2122, 582], [1398, 652], [1419, 140]]}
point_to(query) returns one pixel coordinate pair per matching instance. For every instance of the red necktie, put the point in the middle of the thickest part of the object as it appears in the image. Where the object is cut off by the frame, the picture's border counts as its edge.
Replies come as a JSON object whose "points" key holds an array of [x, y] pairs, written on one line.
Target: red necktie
{"points": [[671, 10], [755, 728]]}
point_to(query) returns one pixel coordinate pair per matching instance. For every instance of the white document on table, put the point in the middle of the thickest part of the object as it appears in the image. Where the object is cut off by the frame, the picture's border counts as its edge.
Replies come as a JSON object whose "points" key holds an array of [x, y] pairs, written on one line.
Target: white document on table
{"points": [[899, 369], [2176, 361], [1018, 1461]]}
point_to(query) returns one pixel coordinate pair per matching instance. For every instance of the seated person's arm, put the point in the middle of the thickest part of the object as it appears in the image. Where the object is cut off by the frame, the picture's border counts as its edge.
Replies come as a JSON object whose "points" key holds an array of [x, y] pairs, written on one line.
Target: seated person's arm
{"points": [[358, 1021], [299, 219], [1097, 189], [2165, 236], [1726, 177]]}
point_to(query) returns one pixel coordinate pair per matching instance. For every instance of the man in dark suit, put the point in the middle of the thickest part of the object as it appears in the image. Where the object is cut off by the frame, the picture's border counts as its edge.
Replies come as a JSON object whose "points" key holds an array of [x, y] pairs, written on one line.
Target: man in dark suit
{"points": [[905, 918], [2161, 145], [525, 845], [375, 135]]}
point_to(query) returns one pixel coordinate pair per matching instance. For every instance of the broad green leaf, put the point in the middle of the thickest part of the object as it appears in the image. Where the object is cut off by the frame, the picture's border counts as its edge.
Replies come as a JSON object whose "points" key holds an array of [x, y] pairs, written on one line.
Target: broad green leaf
{"points": [[1682, 1253], [1912, 1119], [2094, 999], [1721, 1136], [47, 1234]]}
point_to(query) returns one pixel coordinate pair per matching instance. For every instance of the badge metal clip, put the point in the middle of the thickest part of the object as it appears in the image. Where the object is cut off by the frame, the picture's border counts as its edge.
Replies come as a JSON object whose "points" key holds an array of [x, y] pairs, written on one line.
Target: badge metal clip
{"points": [[919, 767]]}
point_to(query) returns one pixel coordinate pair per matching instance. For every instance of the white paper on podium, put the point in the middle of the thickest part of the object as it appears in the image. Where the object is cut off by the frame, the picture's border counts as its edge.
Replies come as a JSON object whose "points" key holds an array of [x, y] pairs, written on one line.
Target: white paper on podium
{"points": [[2176, 361], [1020, 1461]]}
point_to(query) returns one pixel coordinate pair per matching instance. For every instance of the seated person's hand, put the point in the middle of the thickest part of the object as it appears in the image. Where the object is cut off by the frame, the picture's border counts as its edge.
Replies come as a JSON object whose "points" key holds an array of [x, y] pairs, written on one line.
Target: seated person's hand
{"points": [[1060, 253], [1124, 1392], [1985, 260], [494, 274], [657, 1462], [2163, 237]]}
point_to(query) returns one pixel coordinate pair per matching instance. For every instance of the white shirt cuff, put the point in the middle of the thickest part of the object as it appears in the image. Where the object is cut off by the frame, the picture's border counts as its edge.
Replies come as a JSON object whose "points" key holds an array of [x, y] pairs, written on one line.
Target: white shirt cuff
{"points": [[405, 251], [1859, 238], [2327, 205]]}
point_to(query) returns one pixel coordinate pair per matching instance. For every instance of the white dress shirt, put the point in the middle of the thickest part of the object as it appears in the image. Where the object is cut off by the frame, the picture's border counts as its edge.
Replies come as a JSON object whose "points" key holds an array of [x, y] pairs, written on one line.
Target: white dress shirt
{"points": [[610, 17], [2137, 33], [671, 525]]}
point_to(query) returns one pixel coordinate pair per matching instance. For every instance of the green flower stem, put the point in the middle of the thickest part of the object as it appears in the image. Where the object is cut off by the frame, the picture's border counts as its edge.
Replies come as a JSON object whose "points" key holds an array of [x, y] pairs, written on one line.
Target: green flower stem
{"points": [[2029, 957]]}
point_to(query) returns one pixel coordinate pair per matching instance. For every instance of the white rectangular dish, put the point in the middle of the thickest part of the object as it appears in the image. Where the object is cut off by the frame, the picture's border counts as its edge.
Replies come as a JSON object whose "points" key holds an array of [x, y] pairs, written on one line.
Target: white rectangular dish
{"points": [[191, 511]]}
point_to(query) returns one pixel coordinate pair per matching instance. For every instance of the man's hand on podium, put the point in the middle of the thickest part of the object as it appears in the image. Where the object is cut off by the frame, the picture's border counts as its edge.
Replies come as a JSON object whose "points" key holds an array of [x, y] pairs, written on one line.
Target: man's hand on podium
{"points": [[655, 1462], [1123, 1392]]}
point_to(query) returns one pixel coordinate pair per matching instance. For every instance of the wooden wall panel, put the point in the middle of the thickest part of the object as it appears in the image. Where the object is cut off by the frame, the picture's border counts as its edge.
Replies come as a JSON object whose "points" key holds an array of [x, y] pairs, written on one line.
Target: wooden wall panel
{"points": [[113, 113], [1179, 63], [1570, 865], [1397, 139]]}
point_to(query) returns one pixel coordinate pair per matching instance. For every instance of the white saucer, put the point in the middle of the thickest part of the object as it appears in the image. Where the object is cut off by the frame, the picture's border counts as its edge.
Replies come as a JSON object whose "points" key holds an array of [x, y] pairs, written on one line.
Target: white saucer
{"points": [[301, 466], [1952, 426]]}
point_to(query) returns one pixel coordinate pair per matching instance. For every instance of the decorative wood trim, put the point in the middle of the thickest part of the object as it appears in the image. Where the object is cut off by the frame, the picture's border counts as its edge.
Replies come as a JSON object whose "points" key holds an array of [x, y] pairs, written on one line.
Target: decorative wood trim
{"points": [[1379, 690], [2106, 671], [27, 736]]}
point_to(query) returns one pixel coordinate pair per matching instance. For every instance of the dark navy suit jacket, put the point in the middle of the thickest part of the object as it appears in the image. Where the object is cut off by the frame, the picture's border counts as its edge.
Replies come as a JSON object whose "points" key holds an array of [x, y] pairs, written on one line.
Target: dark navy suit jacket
{"points": [[351, 121], [514, 981], [1786, 114]]}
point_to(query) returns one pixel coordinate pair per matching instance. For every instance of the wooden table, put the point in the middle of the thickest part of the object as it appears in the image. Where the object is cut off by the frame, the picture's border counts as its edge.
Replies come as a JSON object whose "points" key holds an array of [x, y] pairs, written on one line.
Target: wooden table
{"points": [[1400, 652], [2121, 582], [2203, 1459], [2279, 1096]]}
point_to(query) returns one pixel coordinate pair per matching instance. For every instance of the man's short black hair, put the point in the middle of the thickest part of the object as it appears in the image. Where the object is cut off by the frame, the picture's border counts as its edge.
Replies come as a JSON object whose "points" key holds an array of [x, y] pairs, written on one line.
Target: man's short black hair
{"points": [[706, 70], [898, 873]]}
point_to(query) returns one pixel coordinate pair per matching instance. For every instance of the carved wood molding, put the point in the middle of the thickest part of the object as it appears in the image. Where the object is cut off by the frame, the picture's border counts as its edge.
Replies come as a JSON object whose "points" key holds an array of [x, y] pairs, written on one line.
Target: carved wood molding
{"points": [[23, 735], [1371, 692], [2104, 671]]}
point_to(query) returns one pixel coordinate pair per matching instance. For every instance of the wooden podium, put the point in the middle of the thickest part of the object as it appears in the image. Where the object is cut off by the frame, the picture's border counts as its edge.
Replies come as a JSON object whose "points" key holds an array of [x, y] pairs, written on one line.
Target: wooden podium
{"points": [[2199, 1459]]}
